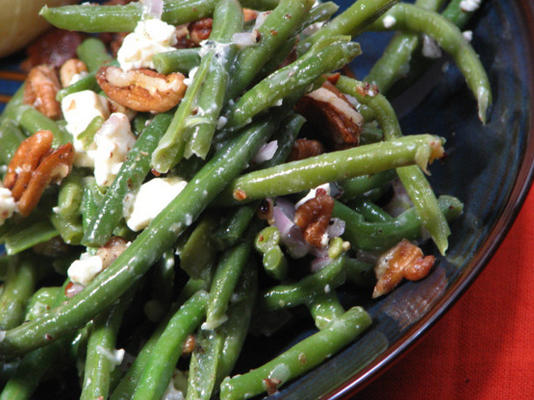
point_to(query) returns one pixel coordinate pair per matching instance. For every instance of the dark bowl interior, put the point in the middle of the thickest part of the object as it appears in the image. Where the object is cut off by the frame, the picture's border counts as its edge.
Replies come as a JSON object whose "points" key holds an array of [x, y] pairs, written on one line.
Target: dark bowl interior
{"points": [[488, 167]]}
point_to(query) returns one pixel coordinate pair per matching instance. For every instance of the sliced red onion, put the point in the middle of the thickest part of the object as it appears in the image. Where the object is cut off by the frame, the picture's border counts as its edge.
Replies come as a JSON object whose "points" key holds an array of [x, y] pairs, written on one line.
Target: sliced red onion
{"points": [[400, 201], [154, 8], [245, 39], [290, 234], [320, 262], [336, 228], [266, 152]]}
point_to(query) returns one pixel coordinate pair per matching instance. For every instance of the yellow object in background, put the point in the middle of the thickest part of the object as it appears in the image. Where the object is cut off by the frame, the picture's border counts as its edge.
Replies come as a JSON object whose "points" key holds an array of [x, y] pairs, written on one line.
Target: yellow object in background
{"points": [[20, 22]]}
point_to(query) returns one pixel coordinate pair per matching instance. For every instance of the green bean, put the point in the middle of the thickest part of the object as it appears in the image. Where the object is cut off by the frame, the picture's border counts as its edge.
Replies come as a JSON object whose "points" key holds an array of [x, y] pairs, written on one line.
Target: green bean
{"points": [[70, 229], [10, 139], [359, 185], [14, 106], [260, 5], [370, 133], [285, 139], [454, 13], [373, 213], [91, 199], [412, 178], [380, 236], [33, 121], [320, 12], [360, 273], [298, 176], [350, 22], [27, 236], [93, 53], [278, 58], [231, 231], [99, 362], [277, 28], [20, 285], [224, 282], [198, 253], [158, 371], [182, 60], [325, 308], [130, 177], [227, 20], [284, 82], [291, 295], [298, 359], [67, 217], [148, 247], [395, 60], [122, 18], [162, 282], [450, 38], [274, 261], [41, 301]]}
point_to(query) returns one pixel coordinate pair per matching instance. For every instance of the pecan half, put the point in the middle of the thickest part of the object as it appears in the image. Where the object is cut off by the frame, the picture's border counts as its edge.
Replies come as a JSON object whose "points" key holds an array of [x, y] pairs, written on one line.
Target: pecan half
{"points": [[70, 69], [249, 14], [191, 34], [405, 260], [41, 89], [53, 48], [314, 216], [189, 345], [142, 89], [305, 148], [329, 111], [111, 250], [34, 166]]}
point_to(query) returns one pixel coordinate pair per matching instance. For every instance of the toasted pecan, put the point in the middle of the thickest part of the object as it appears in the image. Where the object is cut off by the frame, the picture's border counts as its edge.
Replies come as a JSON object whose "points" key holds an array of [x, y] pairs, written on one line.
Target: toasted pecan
{"points": [[330, 112], [111, 250], [200, 30], [314, 216], [41, 89], [142, 89], [70, 69], [305, 148], [405, 260]]}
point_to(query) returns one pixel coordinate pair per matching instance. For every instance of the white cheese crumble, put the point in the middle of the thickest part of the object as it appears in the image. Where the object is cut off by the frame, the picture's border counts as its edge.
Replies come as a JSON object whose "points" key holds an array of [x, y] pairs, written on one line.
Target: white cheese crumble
{"points": [[312, 194], [113, 141], [84, 270], [245, 39], [389, 21], [469, 5], [79, 109], [468, 35], [7, 204], [114, 356], [152, 197], [172, 394], [150, 37], [430, 47]]}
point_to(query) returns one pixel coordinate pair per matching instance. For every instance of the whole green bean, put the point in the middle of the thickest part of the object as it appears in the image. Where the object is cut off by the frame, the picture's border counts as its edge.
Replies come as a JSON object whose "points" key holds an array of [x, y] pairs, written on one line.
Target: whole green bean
{"points": [[168, 348], [298, 359], [372, 213], [380, 236], [284, 82], [14, 106], [130, 177], [274, 261], [10, 139], [231, 231], [28, 235], [182, 60], [122, 18], [33, 121], [67, 218], [277, 28], [198, 254], [91, 200], [260, 5], [291, 295], [20, 284], [285, 139], [325, 308], [450, 38], [147, 248], [454, 13], [93, 53], [359, 185], [224, 282], [298, 176]]}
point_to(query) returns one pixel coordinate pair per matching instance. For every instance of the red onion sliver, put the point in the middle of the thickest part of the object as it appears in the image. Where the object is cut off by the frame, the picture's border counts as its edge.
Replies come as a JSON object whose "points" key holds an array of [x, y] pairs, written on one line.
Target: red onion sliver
{"points": [[154, 8]]}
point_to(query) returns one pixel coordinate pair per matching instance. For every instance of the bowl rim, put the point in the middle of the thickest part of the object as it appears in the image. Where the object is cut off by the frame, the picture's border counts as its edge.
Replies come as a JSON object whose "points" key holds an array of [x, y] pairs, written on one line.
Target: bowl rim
{"points": [[508, 215]]}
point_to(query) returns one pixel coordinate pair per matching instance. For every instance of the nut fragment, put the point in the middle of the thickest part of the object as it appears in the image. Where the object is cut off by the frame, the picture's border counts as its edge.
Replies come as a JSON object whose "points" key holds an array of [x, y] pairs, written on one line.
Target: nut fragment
{"points": [[191, 34], [189, 345], [329, 111], [142, 89], [249, 14], [53, 48], [41, 89], [111, 250], [70, 69], [405, 260], [314, 216], [305, 148], [271, 385]]}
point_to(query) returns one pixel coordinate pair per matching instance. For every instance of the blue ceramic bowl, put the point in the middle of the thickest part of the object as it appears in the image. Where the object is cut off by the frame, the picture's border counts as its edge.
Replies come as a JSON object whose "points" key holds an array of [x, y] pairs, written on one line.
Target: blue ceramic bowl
{"points": [[488, 167]]}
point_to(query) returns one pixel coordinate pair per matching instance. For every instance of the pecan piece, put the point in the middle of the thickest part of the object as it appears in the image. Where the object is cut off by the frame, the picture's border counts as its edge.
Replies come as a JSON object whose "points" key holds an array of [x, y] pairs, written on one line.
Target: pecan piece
{"points": [[111, 250], [70, 69], [41, 89], [189, 345], [405, 260], [200, 30], [249, 14], [53, 48], [305, 148], [329, 110], [142, 89], [314, 216]]}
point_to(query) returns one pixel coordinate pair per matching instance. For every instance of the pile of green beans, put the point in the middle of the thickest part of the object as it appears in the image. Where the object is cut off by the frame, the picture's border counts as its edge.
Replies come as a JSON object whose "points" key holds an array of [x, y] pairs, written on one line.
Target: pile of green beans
{"points": [[182, 296]]}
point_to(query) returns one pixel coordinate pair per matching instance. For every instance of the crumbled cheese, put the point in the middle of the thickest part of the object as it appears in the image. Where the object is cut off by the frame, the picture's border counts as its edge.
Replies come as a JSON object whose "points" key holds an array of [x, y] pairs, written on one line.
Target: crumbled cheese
{"points": [[245, 39], [221, 122], [469, 5], [150, 37], [152, 197], [76, 77], [189, 80], [7, 204], [468, 35], [113, 141], [389, 21], [312, 194], [172, 394], [114, 356], [84, 270], [430, 47], [79, 109]]}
